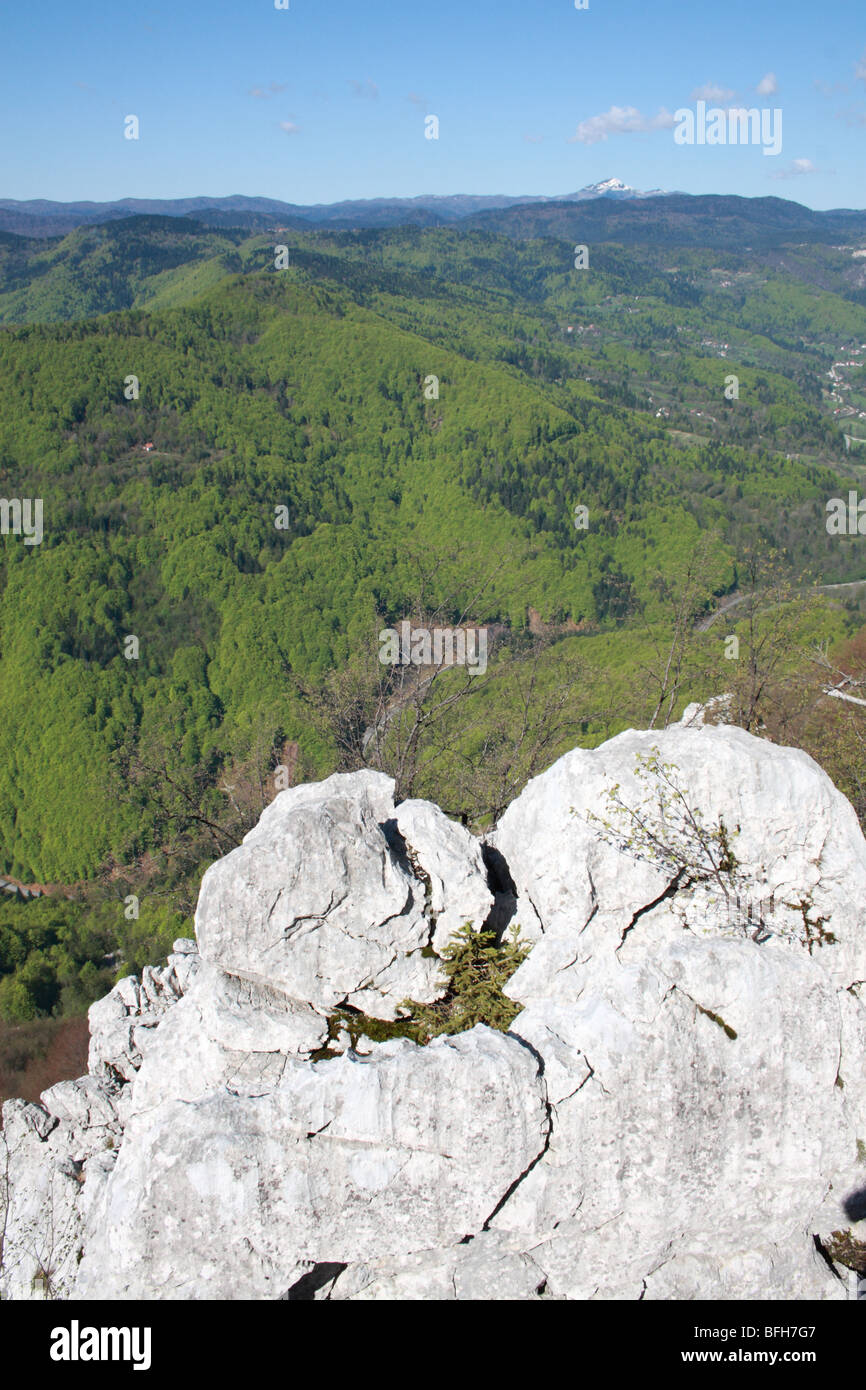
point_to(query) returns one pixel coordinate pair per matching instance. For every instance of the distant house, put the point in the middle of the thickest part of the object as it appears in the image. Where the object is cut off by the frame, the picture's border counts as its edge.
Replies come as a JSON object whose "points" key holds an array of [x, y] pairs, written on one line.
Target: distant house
{"points": [[147, 448]]}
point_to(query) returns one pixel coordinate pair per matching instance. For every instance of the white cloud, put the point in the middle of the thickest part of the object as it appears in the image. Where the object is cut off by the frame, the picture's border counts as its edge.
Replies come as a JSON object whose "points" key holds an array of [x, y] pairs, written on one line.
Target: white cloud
{"points": [[289, 127], [860, 69], [829, 89], [366, 89], [768, 86], [796, 169], [711, 91], [852, 117], [260, 93], [619, 120], [533, 139]]}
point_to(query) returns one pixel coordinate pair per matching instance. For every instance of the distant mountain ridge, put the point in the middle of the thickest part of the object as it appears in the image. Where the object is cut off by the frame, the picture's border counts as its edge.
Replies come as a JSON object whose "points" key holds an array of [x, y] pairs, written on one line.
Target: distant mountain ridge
{"points": [[41, 217], [723, 221]]}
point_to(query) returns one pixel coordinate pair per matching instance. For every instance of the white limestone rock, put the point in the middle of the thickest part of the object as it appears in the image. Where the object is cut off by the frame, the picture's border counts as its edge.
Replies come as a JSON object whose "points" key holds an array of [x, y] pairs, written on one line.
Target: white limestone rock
{"points": [[225, 1034], [346, 1160], [50, 1167], [121, 1021], [674, 1129], [84, 1104], [320, 902], [796, 837], [677, 1112], [486, 1269], [451, 860], [56, 1157], [706, 1080]]}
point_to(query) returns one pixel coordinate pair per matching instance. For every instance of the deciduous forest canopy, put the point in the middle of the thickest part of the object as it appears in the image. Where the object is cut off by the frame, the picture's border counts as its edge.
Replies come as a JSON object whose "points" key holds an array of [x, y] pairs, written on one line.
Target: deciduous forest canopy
{"points": [[401, 421]]}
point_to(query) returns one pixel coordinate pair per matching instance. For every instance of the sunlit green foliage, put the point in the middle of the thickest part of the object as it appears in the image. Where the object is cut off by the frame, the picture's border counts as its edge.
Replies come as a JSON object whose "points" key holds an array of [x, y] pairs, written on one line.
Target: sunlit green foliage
{"points": [[304, 389]]}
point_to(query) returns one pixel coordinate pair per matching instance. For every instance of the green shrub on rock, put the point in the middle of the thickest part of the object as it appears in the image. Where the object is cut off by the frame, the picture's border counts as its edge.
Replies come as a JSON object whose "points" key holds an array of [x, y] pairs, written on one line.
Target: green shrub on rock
{"points": [[476, 968]]}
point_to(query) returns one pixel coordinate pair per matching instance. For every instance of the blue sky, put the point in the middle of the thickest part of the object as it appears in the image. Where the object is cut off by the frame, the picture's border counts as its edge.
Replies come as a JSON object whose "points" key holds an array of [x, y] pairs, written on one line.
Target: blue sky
{"points": [[327, 100]]}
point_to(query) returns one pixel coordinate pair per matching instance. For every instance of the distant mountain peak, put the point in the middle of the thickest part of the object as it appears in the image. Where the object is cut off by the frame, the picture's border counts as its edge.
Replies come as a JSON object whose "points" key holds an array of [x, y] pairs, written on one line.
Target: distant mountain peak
{"points": [[611, 188]]}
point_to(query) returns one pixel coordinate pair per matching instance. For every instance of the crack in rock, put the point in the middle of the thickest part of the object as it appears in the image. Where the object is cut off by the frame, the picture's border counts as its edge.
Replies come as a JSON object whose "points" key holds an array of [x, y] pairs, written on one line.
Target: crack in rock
{"points": [[708, 1013], [669, 892]]}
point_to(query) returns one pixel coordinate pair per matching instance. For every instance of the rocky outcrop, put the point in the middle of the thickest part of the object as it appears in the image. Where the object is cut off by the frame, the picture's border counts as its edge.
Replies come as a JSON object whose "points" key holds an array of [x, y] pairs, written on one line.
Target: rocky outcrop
{"points": [[336, 895], [352, 1160], [56, 1157], [677, 1112], [122, 1023]]}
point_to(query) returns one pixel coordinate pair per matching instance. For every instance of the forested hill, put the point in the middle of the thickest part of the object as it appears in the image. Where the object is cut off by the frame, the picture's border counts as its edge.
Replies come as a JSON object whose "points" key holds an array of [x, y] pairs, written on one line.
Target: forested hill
{"points": [[394, 415], [153, 258], [717, 221]]}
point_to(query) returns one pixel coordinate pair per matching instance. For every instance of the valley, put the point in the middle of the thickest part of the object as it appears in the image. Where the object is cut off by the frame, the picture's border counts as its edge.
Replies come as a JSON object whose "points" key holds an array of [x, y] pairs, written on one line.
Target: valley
{"points": [[285, 485]]}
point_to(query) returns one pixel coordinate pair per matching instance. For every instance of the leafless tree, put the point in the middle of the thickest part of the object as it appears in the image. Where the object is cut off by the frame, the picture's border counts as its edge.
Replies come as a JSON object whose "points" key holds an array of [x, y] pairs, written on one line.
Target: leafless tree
{"points": [[482, 736], [678, 660], [766, 680]]}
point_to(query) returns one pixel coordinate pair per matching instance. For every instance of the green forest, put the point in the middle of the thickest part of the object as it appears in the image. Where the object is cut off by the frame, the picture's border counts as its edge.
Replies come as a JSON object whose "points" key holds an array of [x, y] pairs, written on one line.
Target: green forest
{"points": [[246, 472]]}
